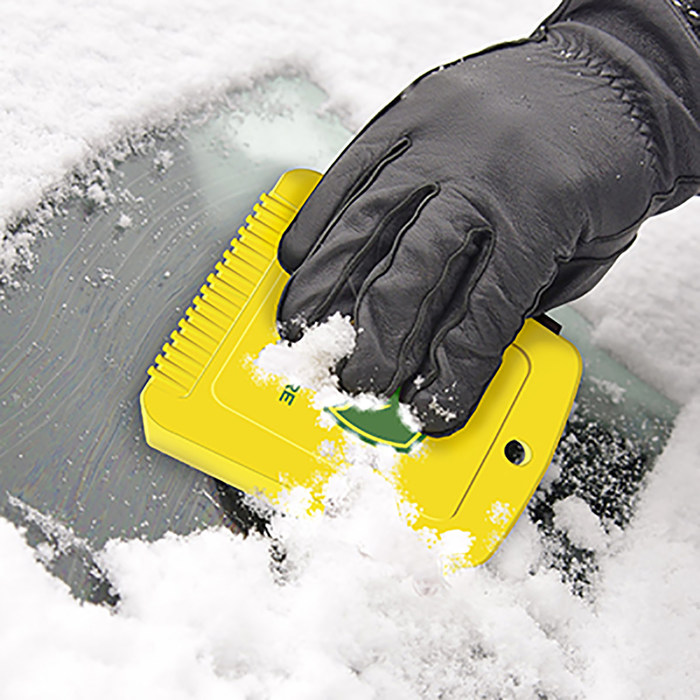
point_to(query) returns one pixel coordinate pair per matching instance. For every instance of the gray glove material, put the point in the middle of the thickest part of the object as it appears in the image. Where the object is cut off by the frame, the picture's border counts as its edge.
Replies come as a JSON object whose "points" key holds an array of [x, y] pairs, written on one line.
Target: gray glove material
{"points": [[491, 190]]}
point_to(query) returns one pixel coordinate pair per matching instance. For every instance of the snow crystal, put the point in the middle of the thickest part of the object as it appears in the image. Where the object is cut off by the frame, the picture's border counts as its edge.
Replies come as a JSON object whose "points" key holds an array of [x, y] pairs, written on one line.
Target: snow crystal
{"points": [[408, 417], [327, 448], [614, 391], [124, 222], [96, 194], [573, 516], [163, 160], [61, 537], [440, 410], [500, 513]]}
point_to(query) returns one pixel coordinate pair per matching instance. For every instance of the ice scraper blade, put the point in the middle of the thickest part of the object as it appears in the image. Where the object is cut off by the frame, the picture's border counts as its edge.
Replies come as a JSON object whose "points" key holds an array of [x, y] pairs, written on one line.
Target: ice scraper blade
{"points": [[205, 404]]}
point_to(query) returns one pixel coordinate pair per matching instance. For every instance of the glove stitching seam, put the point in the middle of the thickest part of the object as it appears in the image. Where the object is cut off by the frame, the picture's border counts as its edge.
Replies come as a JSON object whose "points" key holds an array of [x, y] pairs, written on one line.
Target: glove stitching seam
{"points": [[385, 265], [524, 316], [443, 331], [364, 251], [422, 310], [372, 170], [606, 258], [687, 9], [527, 314], [389, 156], [623, 86]]}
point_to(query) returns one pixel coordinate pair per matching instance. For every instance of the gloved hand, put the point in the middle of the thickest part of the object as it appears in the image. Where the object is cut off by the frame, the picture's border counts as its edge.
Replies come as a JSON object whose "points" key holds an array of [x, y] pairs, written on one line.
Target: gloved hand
{"points": [[491, 190]]}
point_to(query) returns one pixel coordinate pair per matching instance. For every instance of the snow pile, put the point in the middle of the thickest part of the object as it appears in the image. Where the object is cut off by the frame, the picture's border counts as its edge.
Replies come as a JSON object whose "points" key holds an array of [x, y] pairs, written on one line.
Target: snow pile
{"points": [[648, 598], [354, 605], [573, 516], [646, 311], [351, 606], [77, 75], [310, 362]]}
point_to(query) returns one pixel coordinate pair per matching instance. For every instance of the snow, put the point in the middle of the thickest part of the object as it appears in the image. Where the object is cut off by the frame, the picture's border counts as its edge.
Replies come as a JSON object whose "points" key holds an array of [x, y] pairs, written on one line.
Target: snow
{"points": [[96, 194], [124, 221], [573, 516], [359, 607], [347, 613], [649, 595], [310, 362], [646, 311], [614, 391]]}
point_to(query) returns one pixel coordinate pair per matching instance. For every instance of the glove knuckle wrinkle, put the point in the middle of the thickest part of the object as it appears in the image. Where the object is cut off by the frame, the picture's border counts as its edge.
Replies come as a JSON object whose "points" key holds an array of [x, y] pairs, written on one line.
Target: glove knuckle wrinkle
{"points": [[551, 152], [360, 186], [477, 249], [374, 249]]}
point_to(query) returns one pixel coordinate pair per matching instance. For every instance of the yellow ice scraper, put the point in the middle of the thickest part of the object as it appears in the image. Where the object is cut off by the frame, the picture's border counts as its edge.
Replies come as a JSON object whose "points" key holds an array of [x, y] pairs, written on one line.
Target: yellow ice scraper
{"points": [[205, 405]]}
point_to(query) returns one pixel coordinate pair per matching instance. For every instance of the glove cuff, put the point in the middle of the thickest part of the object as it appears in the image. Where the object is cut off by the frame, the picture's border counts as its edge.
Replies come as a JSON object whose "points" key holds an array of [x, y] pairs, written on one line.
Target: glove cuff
{"points": [[691, 11], [653, 41], [658, 30]]}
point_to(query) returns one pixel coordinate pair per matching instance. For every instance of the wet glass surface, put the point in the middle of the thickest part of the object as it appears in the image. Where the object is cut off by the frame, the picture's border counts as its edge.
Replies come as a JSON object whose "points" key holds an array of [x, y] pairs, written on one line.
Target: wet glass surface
{"points": [[617, 429], [110, 283], [112, 279]]}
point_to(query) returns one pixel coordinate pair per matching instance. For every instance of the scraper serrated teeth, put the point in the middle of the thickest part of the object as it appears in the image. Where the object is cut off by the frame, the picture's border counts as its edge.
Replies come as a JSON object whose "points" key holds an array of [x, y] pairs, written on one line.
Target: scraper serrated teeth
{"points": [[221, 299]]}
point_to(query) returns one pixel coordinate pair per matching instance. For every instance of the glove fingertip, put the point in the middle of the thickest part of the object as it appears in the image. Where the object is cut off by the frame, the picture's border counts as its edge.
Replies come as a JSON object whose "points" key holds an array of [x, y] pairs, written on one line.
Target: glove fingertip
{"points": [[439, 416], [291, 250], [356, 377]]}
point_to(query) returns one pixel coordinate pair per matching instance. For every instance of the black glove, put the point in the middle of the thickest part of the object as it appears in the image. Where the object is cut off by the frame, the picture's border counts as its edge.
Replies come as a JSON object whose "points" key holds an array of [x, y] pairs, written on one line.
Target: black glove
{"points": [[491, 190]]}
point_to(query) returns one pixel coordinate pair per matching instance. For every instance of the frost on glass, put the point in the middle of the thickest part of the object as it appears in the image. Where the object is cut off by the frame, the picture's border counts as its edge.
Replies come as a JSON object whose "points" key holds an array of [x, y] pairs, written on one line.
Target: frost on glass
{"points": [[120, 261]]}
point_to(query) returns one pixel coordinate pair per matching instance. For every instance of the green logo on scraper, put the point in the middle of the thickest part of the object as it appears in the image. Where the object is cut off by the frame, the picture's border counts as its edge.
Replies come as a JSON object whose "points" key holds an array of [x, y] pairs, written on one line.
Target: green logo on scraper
{"points": [[378, 427]]}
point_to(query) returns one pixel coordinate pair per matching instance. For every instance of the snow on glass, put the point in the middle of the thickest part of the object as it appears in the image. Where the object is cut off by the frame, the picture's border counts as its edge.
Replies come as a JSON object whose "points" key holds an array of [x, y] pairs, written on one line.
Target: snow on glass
{"points": [[357, 607]]}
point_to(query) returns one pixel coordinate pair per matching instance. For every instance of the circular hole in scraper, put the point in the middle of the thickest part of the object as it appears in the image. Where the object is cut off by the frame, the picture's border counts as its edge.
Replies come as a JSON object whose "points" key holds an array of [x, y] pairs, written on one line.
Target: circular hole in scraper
{"points": [[518, 453]]}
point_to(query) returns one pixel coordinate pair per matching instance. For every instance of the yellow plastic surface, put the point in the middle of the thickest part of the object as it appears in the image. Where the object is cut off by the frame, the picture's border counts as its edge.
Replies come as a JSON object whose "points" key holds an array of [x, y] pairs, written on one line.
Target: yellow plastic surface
{"points": [[205, 406]]}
